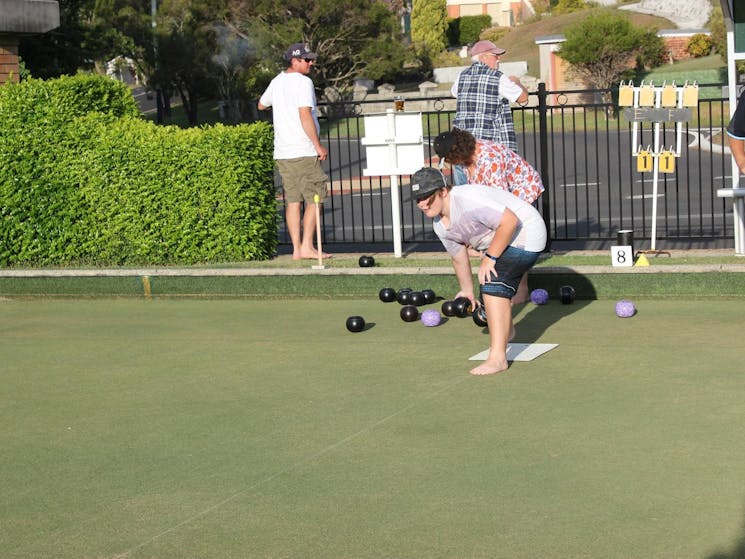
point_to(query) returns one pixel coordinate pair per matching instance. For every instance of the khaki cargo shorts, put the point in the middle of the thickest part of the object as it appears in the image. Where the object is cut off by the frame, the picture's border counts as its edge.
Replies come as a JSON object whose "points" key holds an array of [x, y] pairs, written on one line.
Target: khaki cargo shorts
{"points": [[302, 178]]}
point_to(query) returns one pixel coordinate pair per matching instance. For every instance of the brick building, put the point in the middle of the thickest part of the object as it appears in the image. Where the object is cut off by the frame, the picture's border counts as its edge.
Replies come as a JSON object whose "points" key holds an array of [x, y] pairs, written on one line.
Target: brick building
{"points": [[505, 13], [19, 18]]}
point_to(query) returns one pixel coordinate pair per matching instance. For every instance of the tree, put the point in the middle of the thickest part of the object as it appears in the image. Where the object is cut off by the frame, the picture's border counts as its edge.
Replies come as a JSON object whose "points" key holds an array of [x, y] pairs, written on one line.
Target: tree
{"points": [[352, 37], [77, 44], [604, 47], [718, 31], [429, 26], [174, 54]]}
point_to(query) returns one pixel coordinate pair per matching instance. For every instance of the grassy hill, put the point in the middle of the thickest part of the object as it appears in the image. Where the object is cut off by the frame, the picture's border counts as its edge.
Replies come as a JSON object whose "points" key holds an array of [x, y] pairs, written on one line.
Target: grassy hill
{"points": [[704, 70], [520, 42]]}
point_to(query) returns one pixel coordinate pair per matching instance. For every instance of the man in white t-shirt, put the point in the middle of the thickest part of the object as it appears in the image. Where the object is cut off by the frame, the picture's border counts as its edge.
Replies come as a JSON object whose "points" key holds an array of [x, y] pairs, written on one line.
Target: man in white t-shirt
{"points": [[298, 151]]}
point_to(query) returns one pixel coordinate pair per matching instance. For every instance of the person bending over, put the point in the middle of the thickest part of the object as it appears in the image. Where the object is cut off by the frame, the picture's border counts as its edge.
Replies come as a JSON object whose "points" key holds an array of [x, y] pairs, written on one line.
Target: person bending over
{"points": [[508, 231]]}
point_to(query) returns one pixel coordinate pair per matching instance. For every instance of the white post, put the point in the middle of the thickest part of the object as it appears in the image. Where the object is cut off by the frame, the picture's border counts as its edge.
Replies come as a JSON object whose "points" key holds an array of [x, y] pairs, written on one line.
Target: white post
{"points": [[738, 207], [655, 173], [390, 136], [395, 198], [396, 216]]}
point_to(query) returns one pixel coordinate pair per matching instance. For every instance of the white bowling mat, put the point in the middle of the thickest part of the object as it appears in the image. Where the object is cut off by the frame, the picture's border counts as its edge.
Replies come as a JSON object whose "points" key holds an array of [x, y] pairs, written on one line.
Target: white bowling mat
{"points": [[518, 352]]}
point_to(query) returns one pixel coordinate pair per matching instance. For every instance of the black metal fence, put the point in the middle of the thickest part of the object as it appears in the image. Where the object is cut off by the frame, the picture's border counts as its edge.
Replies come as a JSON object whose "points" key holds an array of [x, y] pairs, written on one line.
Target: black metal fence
{"points": [[581, 145]]}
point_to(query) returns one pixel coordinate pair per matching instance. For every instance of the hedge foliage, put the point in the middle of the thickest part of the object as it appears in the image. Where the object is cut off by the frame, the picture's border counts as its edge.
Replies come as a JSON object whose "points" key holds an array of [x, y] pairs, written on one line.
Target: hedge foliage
{"points": [[465, 30], [83, 179]]}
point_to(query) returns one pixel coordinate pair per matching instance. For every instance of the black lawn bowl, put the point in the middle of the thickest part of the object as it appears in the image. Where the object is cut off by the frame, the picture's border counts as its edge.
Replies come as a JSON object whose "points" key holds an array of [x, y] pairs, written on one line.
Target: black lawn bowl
{"points": [[479, 316], [566, 294], [462, 306], [409, 313], [429, 296], [366, 261], [404, 296], [355, 324], [387, 294], [448, 308], [416, 298]]}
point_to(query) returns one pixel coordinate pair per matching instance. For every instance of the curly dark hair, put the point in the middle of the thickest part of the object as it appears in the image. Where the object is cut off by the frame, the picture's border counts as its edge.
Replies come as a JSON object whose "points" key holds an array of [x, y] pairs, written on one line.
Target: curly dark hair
{"points": [[464, 148]]}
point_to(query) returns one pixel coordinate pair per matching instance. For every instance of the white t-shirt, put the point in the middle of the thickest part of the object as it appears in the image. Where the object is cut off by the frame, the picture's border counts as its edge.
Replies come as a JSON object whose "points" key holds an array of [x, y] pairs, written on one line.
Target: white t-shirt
{"points": [[475, 213], [286, 93], [507, 88]]}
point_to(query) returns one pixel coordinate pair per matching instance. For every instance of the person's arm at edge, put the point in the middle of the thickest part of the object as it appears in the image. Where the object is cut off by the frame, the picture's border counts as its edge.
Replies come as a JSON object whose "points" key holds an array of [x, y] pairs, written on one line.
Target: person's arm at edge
{"points": [[512, 89], [737, 148], [524, 95], [309, 127]]}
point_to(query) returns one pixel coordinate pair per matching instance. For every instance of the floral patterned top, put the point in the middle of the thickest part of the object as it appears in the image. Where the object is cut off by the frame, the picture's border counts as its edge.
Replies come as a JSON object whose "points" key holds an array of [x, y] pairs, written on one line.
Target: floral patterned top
{"points": [[500, 167]]}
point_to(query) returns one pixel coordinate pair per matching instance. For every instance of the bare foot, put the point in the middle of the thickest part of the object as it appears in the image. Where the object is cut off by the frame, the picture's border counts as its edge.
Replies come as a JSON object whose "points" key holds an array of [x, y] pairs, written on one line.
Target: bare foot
{"points": [[490, 367], [309, 255]]}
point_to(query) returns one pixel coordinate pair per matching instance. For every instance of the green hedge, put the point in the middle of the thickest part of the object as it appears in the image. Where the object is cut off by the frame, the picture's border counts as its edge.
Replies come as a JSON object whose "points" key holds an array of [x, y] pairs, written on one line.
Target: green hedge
{"points": [[83, 179], [465, 30]]}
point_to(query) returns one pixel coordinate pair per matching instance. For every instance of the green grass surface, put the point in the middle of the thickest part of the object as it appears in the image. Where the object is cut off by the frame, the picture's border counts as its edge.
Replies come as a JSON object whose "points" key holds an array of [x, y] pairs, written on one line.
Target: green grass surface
{"points": [[231, 429], [440, 258], [588, 286]]}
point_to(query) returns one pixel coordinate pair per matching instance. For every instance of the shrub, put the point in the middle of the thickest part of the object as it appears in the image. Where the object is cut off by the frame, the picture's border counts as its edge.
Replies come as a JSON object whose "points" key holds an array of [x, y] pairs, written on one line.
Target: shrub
{"points": [[569, 6], [699, 45], [494, 34], [106, 187], [447, 59], [465, 30], [651, 49]]}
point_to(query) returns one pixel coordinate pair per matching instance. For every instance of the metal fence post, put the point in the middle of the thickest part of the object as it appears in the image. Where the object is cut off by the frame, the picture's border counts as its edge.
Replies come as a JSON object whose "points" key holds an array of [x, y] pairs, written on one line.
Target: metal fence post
{"points": [[543, 159]]}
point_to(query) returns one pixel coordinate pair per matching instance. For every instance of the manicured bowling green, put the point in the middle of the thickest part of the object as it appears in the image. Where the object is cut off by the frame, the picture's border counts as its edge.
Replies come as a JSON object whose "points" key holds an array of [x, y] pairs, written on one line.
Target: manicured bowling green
{"points": [[171, 428]]}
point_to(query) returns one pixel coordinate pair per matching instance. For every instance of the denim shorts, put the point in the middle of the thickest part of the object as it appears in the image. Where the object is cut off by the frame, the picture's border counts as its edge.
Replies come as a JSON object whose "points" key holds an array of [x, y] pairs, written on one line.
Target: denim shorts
{"points": [[459, 175], [509, 268]]}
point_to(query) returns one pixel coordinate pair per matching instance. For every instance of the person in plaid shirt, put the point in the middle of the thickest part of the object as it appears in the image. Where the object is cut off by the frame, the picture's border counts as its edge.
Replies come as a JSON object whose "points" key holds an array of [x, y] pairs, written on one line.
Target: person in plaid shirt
{"points": [[483, 96], [491, 164]]}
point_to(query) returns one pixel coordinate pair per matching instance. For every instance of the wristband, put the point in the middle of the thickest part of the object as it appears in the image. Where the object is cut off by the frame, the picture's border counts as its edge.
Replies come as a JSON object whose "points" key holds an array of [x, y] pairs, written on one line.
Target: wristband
{"points": [[490, 256]]}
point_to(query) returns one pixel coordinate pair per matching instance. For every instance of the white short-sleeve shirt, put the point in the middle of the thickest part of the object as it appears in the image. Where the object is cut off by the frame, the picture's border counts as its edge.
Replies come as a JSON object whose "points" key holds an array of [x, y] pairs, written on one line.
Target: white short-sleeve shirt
{"points": [[286, 93], [475, 213]]}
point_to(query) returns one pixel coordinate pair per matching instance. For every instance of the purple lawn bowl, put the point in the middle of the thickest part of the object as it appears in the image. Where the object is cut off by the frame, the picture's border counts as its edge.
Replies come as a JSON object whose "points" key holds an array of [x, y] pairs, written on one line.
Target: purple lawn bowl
{"points": [[431, 317], [539, 296], [625, 309]]}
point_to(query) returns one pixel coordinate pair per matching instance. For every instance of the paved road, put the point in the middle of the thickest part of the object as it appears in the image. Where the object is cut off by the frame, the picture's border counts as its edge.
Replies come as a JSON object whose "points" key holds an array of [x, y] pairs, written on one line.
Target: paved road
{"points": [[592, 187]]}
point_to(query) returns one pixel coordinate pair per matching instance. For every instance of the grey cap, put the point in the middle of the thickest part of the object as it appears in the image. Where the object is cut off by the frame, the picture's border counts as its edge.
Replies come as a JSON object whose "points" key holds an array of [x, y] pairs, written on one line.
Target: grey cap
{"points": [[425, 182]]}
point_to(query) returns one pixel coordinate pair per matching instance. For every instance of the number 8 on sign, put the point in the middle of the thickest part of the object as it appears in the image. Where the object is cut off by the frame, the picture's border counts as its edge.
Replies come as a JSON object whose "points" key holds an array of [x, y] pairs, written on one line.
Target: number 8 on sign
{"points": [[622, 255]]}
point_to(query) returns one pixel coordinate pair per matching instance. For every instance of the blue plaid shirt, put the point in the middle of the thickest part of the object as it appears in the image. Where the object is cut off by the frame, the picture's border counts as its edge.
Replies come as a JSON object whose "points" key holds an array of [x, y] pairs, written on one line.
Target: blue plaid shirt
{"points": [[481, 110]]}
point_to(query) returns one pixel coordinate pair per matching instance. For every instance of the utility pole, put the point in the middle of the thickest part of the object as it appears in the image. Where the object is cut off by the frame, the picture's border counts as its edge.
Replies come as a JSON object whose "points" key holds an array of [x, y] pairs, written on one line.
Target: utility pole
{"points": [[156, 77]]}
